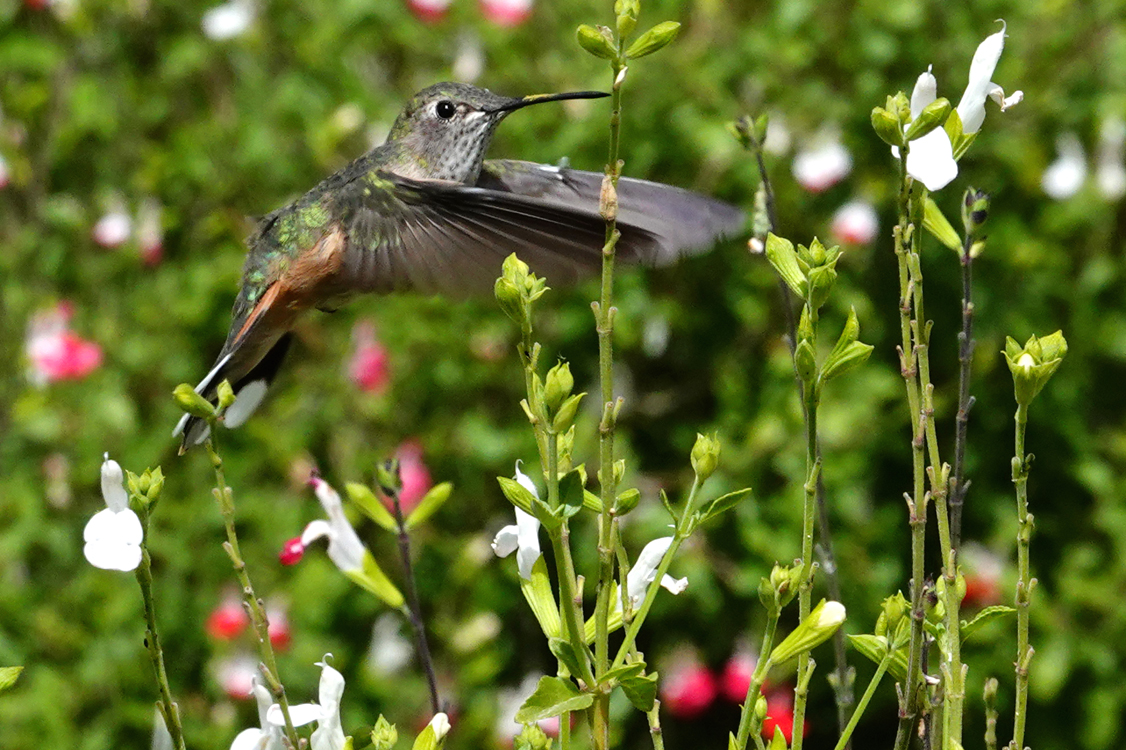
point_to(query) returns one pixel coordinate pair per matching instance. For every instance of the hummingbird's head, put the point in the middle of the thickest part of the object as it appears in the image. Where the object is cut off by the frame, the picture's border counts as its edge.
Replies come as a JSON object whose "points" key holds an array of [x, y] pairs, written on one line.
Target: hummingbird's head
{"points": [[446, 128]]}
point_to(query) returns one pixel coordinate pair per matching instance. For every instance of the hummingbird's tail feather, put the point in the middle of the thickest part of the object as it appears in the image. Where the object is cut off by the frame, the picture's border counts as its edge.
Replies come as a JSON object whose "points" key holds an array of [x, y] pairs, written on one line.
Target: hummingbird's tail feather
{"points": [[683, 222], [249, 390]]}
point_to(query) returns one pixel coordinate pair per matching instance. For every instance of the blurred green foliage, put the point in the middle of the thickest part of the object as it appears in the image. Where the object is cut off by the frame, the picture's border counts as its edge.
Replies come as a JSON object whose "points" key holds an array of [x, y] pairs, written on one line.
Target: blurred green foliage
{"points": [[108, 101]]}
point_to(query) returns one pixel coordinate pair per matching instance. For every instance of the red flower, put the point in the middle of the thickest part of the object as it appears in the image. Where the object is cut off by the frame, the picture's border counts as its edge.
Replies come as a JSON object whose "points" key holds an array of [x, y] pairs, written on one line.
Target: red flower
{"points": [[228, 619], [855, 223], [507, 13], [369, 366], [780, 713], [292, 552], [236, 675], [429, 11], [689, 689], [56, 352], [737, 675], [278, 618], [414, 475]]}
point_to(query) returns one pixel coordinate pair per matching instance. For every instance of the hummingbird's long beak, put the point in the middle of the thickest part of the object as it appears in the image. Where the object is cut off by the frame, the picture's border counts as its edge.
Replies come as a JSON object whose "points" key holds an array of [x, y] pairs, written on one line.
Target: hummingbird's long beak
{"points": [[524, 101]]}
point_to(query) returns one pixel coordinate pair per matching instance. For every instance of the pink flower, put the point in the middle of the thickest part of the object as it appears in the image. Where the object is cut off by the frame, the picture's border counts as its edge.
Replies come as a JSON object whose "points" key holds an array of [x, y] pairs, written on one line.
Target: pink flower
{"points": [[825, 163], [369, 366], [429, 11], [855, 223], [114, 228], [150, 233], [236, 675], [227, 620], [292, 551], [277, 615], [56, 352], [688, 688], [780, 713], [737, 675], [983, 569], [414, 475], [507, 13]]}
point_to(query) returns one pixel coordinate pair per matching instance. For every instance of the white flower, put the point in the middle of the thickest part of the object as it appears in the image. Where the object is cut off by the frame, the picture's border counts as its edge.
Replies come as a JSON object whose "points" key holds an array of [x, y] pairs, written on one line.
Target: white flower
{"points": [[1110, 169], [855, 223], [328, 735], [113, 536], [228, 20], [441, 725], [824, 164], [522, 538], [344, 545], [389, 652], [114, 228], [1063, 177], [931, 158], [267, 736], [645, 570]]}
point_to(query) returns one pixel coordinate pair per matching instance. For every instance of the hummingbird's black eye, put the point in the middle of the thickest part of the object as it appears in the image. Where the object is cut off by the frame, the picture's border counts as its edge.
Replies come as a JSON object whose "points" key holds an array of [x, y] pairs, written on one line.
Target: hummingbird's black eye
{"points": [[445, 109]]}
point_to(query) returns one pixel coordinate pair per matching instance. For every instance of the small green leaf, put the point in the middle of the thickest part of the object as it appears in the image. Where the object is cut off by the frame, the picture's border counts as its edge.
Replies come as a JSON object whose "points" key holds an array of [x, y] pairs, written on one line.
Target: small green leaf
{"points": [[654, 39], [781, 254], [592, 501], [566, 654], [373, 579], [8, 676], [725, 502], [935, 222], [366, 501], [566, 414], [541, 599], [570, 494], [552, 697], [429, 504], [516, 494], [641, 690], [622, 672], [613, 624], [932, 116], [779, 740], [984, 617], [874, 647]]}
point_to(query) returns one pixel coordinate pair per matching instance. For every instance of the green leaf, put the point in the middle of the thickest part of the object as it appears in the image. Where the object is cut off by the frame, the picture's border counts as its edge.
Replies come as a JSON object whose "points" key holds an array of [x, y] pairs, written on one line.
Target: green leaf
{"points": [[781, 254], [571, 496], [725, 502], [668, 506], [365, 500], [566, 653], [641, 690], [592, 501], [552, 697], [779, 741], [516, 494], [874, 647], [429, 504], [984, 617], [623, 672], [8, 676], [935, 222], [614, 622], [537, 592], [373, 579]]}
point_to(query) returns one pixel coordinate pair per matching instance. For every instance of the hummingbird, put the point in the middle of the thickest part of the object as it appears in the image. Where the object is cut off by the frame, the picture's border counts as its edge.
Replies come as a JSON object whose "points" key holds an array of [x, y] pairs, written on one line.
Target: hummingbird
{"points": [[426, 212]]}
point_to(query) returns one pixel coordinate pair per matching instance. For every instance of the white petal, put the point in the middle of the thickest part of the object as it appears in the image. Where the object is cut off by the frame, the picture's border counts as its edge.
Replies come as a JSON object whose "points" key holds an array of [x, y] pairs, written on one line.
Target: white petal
{"points": [[300, 715], [112, 556], [345, 548], [331, 687], [526, 482], [250, 739], [997, 94], [674, 585], [245, 403], [264, 699], [1111, 180], [440, 724], [506, 541], [528, 533], [329, 498], [119, 528], [822, 166], [931, 160], [925, 92], [832, 614], [972, 106], [1063, 177], [113, 485], [316, 530], [645, 569]]}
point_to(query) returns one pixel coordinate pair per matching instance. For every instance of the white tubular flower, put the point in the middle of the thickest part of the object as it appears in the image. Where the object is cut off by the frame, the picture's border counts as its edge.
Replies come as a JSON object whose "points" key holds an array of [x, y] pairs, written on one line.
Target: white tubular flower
{"points": [[523, 538], [979, 88], [228, 20], [1110, 169], [1065, 176], [267, 736], [822, 165], [645, 570], [441, 725], [344, 545], [113, 536], [328, 735]]}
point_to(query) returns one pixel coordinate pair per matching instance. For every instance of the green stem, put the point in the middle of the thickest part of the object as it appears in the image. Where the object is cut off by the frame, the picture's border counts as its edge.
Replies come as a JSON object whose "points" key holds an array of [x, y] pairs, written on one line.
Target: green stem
{"points": [[1025, 582], [655, 732], [846, 735], [746, 717], [168, 708], [959, 485], [268, 666], [809, 512]]}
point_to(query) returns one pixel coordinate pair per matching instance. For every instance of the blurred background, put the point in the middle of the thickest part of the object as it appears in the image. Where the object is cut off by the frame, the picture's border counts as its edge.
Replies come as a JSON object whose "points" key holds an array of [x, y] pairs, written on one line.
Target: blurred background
{"points": [[139, 137]]}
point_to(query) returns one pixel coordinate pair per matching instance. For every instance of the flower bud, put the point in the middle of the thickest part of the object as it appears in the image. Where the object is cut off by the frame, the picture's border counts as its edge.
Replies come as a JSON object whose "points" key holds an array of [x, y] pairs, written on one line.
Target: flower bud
{"points": [[384, 735], [193, 403], [626, 501], [805, 361], [225, 394], [1034, 364], [887, 127], [595, 42], [705, 456], [821, 280], [557, 388], [531, 737], [932, 116], [784, 258], [511, 301], [975, 210], [817, 628], [654, 39]]}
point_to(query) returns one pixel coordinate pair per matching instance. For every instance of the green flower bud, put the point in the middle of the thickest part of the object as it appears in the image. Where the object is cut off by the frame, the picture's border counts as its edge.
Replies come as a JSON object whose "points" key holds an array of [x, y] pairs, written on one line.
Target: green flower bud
{"points": [[887, 127], [817, 628], [805, 361], [626, 501], [705, 455], [654, 39], [225, 394], [1034, 364], [821, 280], [565, 417], [596, 42], [900, 106], [531, 737], [975, 210], [193, 403], [557, 388], [384, 735], [893, 610], [932, 116], [511, 301], [515, 270], [388, 478], [784, 258]]}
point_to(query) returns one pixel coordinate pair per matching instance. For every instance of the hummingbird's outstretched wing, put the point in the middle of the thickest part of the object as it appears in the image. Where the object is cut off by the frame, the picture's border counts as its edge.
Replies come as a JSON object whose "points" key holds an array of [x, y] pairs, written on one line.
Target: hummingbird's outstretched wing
{"points": [[375, 231]]}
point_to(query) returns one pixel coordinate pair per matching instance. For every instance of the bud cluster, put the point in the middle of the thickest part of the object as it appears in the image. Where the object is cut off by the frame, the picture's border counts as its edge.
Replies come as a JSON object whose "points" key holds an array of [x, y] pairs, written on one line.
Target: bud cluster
{"points": [[1034, 364]]}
